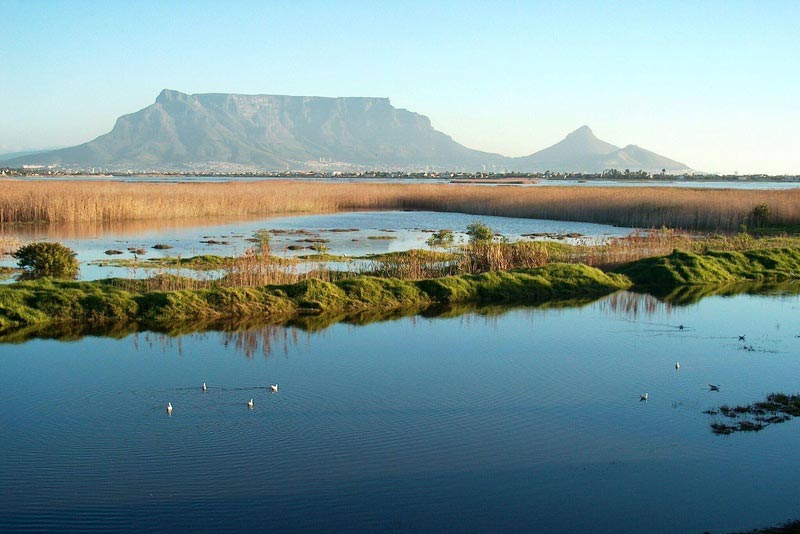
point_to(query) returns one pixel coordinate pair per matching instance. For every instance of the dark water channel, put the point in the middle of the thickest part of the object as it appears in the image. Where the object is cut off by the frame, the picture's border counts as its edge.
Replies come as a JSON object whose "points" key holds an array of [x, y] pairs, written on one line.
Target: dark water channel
{"points": [[492, 420]]}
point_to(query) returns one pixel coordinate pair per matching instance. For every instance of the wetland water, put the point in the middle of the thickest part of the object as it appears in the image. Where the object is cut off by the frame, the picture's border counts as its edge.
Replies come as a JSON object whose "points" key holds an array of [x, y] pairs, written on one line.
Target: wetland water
{"points": [[500, 420], [350, 233]]}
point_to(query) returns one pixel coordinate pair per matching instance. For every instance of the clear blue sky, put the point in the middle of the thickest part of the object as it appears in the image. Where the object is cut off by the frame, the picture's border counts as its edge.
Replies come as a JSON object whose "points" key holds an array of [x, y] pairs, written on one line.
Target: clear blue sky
{"points": [[714, 84]]}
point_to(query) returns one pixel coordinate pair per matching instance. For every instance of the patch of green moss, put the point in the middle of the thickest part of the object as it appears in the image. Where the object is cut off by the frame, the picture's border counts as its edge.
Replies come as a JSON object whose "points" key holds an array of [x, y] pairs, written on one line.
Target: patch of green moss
{"points": [[686, 268]]}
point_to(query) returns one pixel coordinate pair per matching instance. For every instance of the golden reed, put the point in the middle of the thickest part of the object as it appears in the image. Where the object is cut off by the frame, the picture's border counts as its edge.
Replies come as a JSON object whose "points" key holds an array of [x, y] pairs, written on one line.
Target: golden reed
{"points": [[644, 207]]}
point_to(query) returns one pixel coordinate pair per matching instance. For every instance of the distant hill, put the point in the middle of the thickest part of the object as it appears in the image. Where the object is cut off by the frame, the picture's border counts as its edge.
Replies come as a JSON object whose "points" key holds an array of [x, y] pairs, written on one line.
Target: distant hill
{"points": [[21, 153], [581, 151], [272, 132]]}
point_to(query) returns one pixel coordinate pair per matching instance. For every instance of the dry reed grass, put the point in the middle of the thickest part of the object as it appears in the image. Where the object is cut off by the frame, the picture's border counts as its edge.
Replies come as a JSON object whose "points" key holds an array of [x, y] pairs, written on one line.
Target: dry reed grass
{"points": [[642, 207], [9, 244]]}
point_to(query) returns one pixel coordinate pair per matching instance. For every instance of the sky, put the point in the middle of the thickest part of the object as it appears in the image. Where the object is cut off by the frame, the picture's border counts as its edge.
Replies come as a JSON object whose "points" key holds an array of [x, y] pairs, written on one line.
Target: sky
{"points": [[713, 84]]}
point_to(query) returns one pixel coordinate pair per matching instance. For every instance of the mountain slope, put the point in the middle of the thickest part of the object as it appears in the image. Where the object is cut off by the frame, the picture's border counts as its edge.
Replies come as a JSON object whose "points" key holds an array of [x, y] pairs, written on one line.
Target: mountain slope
{"points": [[269, 132], [637, 158], [581, 151], [273, 132]]}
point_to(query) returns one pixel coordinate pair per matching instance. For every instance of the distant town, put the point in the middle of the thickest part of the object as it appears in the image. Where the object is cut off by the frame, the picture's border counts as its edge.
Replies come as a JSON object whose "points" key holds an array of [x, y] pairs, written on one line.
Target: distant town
{"points": [[54, 171]]}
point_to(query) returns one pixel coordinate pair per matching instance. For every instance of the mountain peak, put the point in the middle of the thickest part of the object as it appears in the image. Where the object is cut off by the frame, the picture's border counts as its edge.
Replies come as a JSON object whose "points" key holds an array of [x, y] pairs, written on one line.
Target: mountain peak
{"points": [[276, 132], [169, 95], [584, 131]]}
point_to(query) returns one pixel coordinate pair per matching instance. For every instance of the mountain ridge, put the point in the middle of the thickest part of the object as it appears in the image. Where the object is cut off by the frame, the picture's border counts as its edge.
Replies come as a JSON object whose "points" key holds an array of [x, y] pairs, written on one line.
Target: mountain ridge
{"points": [[181, 131]]}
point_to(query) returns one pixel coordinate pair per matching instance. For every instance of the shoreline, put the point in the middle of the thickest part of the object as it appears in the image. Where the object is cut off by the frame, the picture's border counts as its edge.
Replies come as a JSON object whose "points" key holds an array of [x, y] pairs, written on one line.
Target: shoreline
{"points": [[114, 301]]}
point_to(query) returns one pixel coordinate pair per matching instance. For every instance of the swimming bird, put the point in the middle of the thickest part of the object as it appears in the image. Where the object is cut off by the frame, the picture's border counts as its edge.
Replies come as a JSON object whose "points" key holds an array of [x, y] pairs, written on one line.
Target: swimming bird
{"points": [[169, 407], [741, 338], [274, 388], [250, 404], [644, 397], [205, 387], [712, 387], [677, 365]]}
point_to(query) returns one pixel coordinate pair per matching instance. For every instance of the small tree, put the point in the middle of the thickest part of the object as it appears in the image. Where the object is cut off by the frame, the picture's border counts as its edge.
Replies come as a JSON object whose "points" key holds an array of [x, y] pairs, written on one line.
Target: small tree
{"points": [[46, 259], [760, 215], [442, 238], [479, 232]]}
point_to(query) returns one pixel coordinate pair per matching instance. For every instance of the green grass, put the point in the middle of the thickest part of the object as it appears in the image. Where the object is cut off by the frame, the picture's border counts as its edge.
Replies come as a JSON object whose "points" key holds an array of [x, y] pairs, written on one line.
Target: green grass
{"points": [[208, 262], [680, 277], [686, 268], [51, 301]]}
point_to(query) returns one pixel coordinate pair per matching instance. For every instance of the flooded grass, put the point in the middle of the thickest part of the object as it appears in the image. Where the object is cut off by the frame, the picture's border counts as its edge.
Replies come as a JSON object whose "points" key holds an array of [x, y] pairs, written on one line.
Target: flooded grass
{"points": [[777, 408]]}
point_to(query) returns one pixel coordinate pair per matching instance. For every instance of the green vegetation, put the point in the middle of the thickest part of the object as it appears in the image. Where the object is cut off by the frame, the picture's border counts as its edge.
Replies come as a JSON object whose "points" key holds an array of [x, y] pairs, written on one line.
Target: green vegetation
{"points": [[8, 272], [777, 408], [41, 259], [208, 262], [441, 238], [686, 268], [478, 232], [759, 217], [484, 273], [422, 255], [49, 301]]}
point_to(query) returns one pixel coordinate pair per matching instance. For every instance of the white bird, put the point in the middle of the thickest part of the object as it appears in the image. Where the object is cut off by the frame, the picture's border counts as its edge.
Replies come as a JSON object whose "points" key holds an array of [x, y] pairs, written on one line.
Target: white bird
{"points": [[644, 397], [250, 404], [274, 388], [677, 365], [205, 388], [169, 407]]}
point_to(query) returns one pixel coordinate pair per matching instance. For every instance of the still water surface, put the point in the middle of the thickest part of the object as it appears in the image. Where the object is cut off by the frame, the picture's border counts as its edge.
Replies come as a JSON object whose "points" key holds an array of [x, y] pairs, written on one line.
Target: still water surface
{"points": [[368, 232], [499, 420]]}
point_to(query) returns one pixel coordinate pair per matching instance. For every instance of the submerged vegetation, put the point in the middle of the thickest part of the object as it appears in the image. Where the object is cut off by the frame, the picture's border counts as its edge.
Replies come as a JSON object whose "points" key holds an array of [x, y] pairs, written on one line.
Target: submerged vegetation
{"points": [[777, 408]]}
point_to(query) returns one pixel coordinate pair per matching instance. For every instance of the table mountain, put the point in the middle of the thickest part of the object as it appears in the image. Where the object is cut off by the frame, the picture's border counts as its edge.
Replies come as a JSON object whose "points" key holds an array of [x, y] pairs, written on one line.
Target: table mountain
{"points": [[273, 132]]}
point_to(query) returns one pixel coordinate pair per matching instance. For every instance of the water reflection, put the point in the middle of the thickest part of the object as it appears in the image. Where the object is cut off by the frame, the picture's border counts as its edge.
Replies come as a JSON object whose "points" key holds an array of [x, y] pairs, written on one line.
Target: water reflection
{"points": [[503, 419], [261, 335], [631, 305]]}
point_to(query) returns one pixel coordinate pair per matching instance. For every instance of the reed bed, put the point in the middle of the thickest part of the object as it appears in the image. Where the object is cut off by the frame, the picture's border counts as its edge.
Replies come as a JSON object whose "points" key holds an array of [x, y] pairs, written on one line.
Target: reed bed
{"points": [[642, 207]]}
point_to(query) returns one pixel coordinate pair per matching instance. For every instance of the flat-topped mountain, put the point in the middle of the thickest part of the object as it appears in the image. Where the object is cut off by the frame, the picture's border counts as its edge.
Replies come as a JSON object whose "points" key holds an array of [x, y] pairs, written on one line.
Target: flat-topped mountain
{"points": [[268, 132], [273, 132]]}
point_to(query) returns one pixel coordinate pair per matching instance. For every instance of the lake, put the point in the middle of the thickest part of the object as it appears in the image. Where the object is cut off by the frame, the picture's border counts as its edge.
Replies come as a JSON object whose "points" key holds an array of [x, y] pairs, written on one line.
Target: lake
{"points": [[492, 419]]}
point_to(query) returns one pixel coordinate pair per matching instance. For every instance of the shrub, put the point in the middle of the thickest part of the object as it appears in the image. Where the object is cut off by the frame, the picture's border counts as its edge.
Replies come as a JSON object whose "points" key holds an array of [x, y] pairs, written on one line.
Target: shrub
{"points": [[442, 238], [479, 232], [46, 259], [760, 215]]}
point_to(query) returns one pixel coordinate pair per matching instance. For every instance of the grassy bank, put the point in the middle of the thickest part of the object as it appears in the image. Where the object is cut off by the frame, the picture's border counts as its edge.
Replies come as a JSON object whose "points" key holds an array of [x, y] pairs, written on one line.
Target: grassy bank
{"points": [[714, 267], [644, 207], [684, 275], [116, 301]]}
